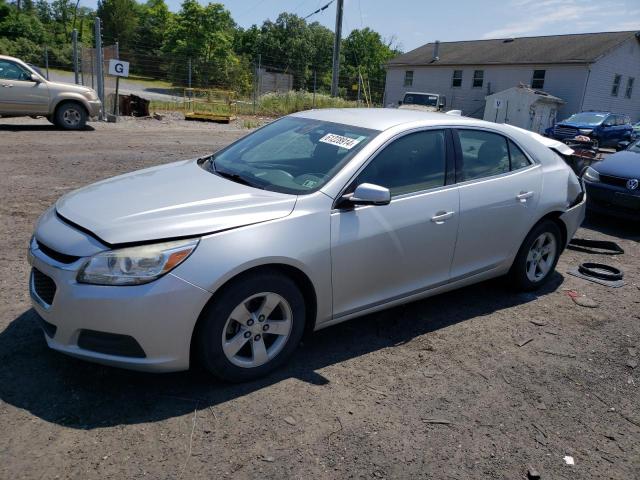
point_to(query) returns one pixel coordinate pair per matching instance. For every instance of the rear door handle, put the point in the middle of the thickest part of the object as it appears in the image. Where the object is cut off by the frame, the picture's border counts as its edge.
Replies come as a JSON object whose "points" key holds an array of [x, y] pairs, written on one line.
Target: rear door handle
{"points": [[523, 196], [7, 85], [441, 217]]}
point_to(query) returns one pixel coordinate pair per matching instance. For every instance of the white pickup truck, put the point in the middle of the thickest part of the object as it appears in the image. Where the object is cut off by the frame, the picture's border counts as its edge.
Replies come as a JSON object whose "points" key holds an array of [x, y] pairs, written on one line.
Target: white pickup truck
{"points": [[429, 102]]}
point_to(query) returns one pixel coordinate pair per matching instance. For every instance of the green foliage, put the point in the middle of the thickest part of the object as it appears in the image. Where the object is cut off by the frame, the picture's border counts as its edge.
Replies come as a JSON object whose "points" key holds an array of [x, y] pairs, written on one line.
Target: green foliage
{"points": [[119, 20], [159, 44]]}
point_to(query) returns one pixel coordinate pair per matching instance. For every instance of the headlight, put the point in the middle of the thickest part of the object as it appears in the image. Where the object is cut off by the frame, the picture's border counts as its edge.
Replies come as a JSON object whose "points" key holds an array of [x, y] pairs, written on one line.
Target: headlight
{"points": [[135, 265], [90, 95], [591, 174], [586, 131]]}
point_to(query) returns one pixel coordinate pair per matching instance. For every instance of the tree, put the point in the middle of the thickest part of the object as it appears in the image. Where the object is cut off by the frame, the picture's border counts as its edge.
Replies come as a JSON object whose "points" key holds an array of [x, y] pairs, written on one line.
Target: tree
{"points": [[365, 53], [119, 21], [205, 35]]}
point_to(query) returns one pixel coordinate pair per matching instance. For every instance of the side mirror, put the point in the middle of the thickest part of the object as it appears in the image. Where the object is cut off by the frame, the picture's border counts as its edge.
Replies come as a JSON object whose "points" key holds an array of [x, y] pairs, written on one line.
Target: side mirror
{"points": [[35, 78], [367, 194], [399, 102]]}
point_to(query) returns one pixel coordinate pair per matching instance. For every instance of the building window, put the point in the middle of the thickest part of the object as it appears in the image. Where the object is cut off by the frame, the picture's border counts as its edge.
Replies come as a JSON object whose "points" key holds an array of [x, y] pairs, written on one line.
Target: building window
{"points": [[616, 85], [478, 78], [456, 80], [408, 78], [538, 79], [629, 89]]}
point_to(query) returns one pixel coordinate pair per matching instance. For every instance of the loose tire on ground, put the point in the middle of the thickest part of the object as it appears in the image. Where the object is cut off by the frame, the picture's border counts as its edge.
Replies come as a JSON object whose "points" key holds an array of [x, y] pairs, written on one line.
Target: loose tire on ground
{"points": [[71, 116], [544, 236], [225, 325]]}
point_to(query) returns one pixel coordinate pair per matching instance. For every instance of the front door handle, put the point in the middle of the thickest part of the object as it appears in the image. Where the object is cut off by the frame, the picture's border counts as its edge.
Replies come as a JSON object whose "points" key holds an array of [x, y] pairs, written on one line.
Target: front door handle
{"points": [[523, 196], [7, 85], [441, 217]]}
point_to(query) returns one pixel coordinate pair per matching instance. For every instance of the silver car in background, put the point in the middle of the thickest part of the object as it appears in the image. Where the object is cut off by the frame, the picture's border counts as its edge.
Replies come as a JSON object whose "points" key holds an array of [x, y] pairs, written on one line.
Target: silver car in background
{"points": [[314, 219]]}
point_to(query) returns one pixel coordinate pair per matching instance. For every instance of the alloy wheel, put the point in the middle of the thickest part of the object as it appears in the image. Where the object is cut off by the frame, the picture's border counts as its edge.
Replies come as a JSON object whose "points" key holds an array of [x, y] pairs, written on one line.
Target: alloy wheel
{"points": [[541, 257], [71, 117], [257, 330]]}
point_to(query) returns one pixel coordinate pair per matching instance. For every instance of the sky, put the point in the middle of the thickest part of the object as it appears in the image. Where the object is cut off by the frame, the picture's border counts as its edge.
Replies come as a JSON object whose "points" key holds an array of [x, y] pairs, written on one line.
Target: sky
{"points": [[411, 23]]}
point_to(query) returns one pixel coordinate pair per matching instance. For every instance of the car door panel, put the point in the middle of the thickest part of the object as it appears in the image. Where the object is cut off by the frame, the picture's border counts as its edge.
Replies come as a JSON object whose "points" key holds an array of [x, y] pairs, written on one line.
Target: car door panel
{"points": [[496, 213], [380, 253], [19, 95], [495, 216]]}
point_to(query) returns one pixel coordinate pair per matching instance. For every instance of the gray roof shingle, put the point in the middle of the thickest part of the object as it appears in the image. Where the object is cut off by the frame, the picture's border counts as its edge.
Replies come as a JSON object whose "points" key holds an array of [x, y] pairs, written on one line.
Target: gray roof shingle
{"points": [[574, 48]]}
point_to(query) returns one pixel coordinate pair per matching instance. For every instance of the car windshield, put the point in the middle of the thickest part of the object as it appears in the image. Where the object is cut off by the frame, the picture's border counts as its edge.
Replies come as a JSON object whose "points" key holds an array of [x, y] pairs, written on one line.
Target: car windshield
{"points": [[291, 155], [587, 118], [634, 147], [418, 99]]}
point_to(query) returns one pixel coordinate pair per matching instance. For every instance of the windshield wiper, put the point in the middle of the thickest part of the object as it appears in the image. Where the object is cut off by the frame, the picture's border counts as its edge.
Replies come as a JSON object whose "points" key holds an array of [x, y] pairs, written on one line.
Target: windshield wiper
{"points": [[235, 177]]}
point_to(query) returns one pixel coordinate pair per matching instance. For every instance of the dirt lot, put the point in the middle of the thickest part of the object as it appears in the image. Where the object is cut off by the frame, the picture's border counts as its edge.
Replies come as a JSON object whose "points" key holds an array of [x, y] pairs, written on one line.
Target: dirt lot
{"points": [[435, 389]]}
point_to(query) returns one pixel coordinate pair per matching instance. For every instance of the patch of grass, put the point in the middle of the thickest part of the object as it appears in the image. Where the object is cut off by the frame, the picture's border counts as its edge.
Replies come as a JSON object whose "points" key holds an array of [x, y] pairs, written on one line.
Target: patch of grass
{"points": [[271, 104]]}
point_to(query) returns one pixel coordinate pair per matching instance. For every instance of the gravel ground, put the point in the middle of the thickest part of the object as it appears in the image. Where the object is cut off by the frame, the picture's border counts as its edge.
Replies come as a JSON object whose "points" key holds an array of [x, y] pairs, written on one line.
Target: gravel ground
{"points": [[435, 389]]}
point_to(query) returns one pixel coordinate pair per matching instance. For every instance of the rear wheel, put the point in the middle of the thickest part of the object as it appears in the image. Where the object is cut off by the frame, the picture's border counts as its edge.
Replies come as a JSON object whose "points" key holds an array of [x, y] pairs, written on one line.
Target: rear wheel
{"points": [[252, 327], [537, 258], [71, 116]]}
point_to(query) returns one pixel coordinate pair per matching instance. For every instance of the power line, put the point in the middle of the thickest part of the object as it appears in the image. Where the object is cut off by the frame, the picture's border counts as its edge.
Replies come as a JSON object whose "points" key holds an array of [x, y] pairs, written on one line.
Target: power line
{"points": [[320, 9]]}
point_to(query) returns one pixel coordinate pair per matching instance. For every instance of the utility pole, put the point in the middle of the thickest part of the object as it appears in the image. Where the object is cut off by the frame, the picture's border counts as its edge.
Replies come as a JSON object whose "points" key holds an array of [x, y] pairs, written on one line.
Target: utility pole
{"points": [[74, 42], [336, 49], [99, 64]]}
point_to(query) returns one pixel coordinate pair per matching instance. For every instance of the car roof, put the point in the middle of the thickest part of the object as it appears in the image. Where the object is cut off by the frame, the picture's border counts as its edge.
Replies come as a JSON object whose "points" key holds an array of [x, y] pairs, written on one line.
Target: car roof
{"points": [[386, 118]]}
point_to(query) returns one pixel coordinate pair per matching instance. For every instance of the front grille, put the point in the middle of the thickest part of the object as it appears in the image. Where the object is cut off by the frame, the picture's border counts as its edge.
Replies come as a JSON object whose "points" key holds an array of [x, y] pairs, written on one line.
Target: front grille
{"points": [[617, 181], [110, 344], [43, 286], [565, 131], [57, 256]]}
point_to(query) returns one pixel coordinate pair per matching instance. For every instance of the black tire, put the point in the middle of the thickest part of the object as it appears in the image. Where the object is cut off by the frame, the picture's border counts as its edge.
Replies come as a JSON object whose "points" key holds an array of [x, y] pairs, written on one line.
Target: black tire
{"points": [[208, 339], [71, 116], [517, 276]]}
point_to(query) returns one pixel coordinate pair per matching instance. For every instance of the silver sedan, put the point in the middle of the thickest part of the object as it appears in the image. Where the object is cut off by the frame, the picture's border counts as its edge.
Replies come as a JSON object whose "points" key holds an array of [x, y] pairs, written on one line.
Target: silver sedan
{"points": [[314, 219]]}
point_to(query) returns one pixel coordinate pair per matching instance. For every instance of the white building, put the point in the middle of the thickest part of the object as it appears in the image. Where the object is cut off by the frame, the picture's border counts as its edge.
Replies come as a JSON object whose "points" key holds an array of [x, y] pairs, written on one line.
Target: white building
{"points": [[590, 71]]}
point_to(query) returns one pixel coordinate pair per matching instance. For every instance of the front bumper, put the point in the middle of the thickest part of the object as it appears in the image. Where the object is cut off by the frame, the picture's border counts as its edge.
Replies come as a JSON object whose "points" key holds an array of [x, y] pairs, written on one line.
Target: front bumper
{"points": [[615, 201], [160, 316], [94, 108]]}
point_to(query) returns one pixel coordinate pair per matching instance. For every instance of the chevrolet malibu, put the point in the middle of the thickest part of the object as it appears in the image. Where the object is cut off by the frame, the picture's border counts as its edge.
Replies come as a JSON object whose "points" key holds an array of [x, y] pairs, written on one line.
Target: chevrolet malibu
{"points": [[314, 219]]}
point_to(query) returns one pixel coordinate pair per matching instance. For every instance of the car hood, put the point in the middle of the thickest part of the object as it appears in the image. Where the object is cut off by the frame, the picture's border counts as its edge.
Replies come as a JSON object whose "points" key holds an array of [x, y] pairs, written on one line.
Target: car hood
{"points": [[174, 200], [584, 126], [623, 164], [69, 87]]}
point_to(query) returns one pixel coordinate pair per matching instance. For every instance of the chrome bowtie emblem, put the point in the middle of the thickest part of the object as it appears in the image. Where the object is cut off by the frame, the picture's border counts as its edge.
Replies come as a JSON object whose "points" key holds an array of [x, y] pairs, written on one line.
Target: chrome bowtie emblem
{"points": [[632, 183]]}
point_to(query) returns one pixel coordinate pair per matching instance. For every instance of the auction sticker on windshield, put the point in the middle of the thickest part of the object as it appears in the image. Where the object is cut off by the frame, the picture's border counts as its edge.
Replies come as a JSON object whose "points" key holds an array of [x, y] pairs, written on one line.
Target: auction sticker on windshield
{"points": [[340, 141]]}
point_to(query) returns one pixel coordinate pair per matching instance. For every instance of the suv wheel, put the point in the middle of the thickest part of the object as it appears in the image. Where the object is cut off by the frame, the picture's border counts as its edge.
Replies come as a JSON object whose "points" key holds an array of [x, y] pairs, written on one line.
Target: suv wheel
{"points": [[537, 258], [71, 116], [252, 327]]}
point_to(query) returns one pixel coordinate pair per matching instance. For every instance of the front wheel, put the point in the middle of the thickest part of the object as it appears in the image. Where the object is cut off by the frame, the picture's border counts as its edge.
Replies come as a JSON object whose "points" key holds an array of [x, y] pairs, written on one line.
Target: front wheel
{"points": [[252, 327], [537, 258], [71, 116]]}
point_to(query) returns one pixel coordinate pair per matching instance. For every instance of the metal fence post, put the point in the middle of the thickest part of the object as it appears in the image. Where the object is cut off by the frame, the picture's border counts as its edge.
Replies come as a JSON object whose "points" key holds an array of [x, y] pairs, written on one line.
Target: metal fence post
{"points": [[74, 41], [99, 64], [314, 88], [46, 60], [189, 73]]}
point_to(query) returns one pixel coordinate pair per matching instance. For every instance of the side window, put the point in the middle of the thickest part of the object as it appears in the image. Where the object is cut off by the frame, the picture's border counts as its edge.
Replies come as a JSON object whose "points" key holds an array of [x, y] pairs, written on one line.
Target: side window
{"points": [[456, 80], [518, 159], [478, 78], [537, 82], [615, 88], [483, 154], [408, 78], [412, 163], [11, 71]]}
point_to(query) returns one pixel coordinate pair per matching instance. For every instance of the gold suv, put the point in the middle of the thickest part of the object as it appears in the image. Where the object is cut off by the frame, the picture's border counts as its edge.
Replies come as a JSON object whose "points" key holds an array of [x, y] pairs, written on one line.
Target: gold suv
{"points": [[24, 92]]}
